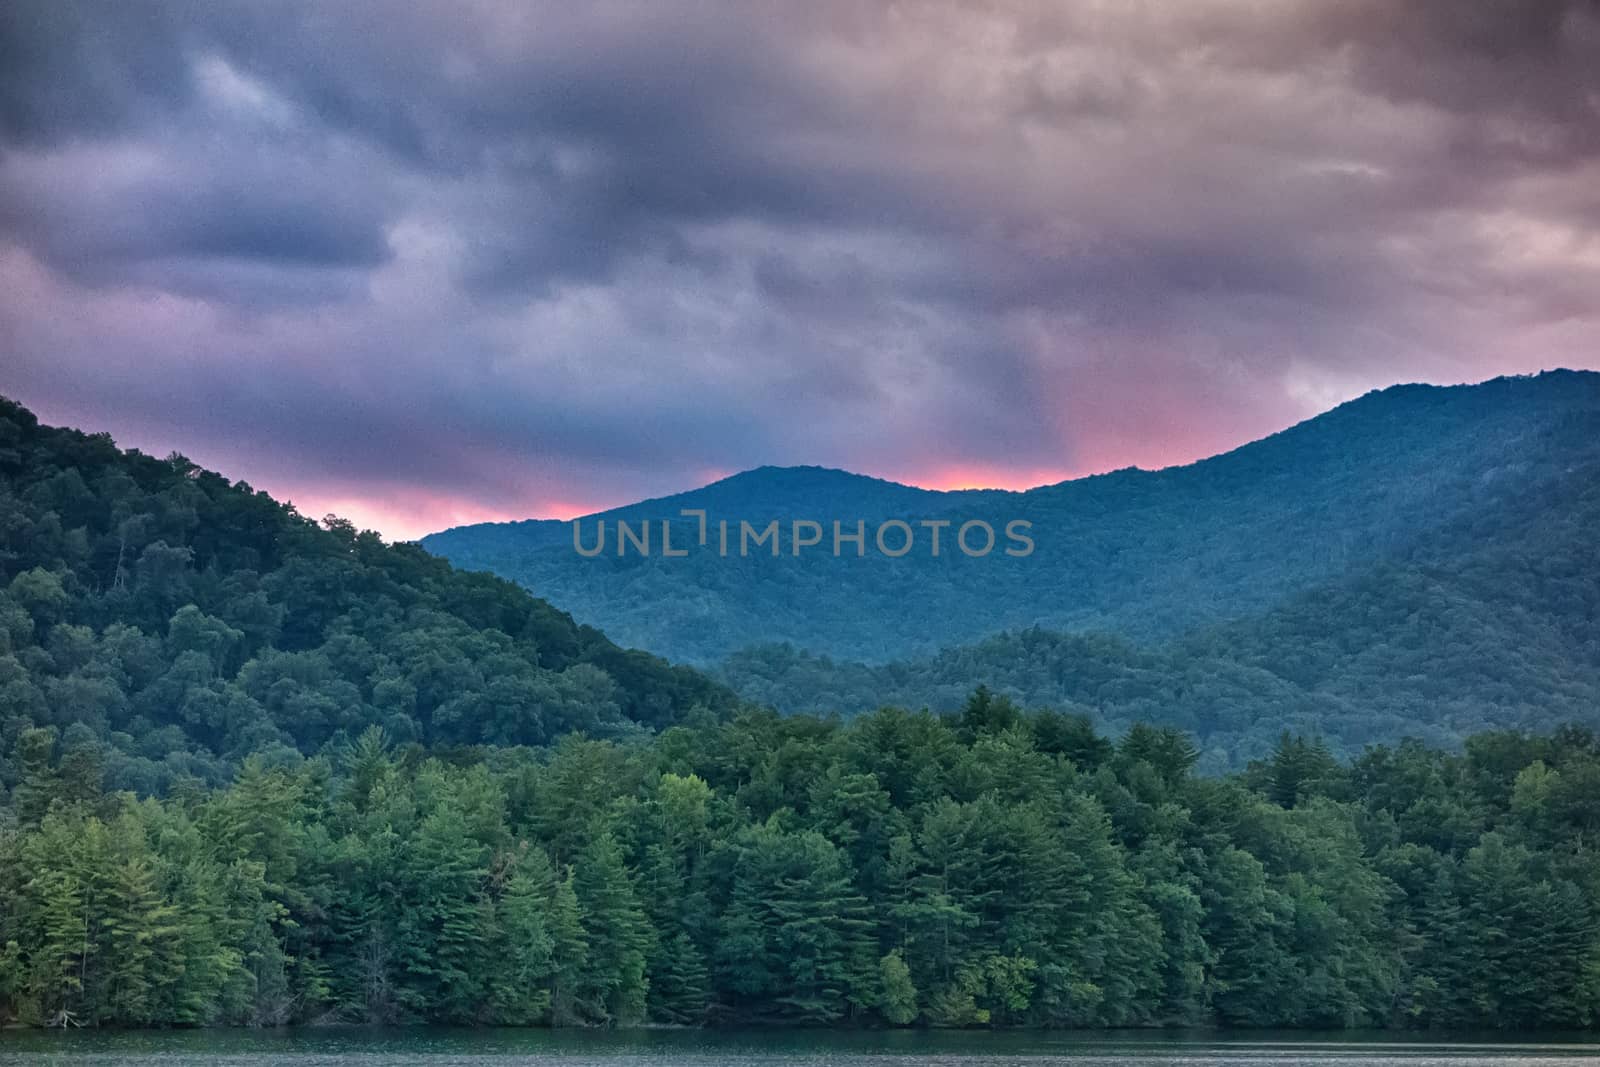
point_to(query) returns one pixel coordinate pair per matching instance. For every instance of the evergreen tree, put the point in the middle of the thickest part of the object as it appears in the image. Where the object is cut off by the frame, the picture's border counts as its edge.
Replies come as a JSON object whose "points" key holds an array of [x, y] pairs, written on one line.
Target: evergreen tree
{"points": [[140, 941], [519, 964], [441, 929], [898, 998], [38, 782], [569, 950], [680, 982], [796, 934], [616, 933]]}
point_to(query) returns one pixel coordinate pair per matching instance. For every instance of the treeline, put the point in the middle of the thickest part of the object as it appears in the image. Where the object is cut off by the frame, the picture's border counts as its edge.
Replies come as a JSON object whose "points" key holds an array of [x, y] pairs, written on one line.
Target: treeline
{"points": [[983, 869], [181, 621]]}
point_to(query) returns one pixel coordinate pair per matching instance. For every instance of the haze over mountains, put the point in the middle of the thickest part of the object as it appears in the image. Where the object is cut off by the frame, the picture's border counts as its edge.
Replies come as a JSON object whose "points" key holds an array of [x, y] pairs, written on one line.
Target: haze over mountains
{"points": [[1406, 473], [1419, 560]]}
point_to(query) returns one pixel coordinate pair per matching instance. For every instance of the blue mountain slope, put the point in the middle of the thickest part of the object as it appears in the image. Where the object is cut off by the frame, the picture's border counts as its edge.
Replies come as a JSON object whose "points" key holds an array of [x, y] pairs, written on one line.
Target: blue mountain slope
{"points": [[1144, 554]]}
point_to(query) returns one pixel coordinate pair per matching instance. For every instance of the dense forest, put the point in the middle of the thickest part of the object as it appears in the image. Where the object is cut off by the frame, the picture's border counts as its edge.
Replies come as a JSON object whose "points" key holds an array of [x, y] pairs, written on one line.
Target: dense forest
{"points": [[260, 770], [180, 621], [983, 869], [1502, 635], [1414, 476], [1419, 562]]}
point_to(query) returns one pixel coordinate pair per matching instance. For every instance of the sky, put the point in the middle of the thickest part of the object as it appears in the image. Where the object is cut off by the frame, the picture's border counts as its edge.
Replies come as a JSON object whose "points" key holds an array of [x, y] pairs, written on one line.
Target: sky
{"points": [[431, 263]]}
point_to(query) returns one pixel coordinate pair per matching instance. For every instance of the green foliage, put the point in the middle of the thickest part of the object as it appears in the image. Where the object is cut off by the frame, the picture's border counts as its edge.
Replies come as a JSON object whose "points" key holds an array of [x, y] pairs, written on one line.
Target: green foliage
{"points": [[898, 869], [519, 989], [166, 623], [612, 987], [897, 1002], [260, 771], [1495, 632], [1413, 476], [1415, 563]]}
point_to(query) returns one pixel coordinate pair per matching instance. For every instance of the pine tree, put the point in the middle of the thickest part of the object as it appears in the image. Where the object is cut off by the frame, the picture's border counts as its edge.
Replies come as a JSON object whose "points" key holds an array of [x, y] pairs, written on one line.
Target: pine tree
{"points": [[801, 928], [441, 925], [1254, 980], [210, 963], [1298, 768], [898, 998], [569, 950], [38, 782], [519, 966], [58, 914], [950, 894], [679, 981], [1443, 978], [141, 940], [616, 931], [674, 834]]}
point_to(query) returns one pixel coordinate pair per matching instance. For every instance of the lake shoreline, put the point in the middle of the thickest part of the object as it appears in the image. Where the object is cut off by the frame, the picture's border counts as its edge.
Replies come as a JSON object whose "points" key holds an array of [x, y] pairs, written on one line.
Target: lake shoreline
{"points": [[422, 1046]]}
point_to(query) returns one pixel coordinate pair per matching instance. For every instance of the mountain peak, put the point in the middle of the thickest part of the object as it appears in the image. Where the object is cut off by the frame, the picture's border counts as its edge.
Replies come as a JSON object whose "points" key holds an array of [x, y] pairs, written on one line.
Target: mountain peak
{"points": [[1143, 553]]}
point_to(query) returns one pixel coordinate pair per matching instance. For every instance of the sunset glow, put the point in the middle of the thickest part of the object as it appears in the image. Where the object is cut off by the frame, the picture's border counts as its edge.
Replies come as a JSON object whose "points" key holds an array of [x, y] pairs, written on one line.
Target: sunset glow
{"points": [[558, 268]]}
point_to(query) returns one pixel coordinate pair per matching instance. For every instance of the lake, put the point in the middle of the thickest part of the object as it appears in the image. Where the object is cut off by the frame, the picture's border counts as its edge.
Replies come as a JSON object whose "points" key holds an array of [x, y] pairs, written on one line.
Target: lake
{"points": [[355, 1047]]}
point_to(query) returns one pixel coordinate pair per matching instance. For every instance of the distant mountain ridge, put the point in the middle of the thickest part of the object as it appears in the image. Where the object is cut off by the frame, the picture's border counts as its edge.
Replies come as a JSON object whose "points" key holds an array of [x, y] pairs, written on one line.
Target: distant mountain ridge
{"points": [[768, 491], [1145, 554], [1458, 640]]}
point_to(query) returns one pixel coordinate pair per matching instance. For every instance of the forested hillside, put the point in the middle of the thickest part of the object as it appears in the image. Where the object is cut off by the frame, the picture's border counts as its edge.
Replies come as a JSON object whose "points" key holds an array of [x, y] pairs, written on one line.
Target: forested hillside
{"points": [[1412, 475], [261, 770], [167, 622], [989, 869], [1493, 623]]}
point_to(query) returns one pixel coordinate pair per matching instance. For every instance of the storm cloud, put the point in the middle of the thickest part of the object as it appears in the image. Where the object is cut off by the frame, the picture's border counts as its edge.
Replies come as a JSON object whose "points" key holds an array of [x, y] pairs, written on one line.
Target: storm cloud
{"points": [[427, 263]]}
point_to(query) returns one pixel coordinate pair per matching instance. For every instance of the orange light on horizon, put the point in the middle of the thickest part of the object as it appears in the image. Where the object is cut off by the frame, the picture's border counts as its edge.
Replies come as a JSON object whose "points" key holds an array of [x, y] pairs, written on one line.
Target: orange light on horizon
{"points": [[413, 514], [987, 476]]}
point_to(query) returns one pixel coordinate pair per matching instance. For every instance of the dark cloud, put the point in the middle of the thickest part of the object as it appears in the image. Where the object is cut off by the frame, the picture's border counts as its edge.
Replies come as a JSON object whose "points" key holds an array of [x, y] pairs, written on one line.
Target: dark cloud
{"points": [[1531, 63], [100, 216], [76, 68], [495, 257]]}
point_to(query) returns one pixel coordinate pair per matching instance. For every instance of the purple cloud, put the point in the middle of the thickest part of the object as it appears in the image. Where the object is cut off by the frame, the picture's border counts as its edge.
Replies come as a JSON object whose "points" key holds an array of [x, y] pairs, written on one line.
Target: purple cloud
{"points": [[484, 260]]}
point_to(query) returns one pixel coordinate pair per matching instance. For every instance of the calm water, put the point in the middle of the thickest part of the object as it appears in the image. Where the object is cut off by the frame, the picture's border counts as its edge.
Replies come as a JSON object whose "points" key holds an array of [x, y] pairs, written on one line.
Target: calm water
{"points": [[496, 1048]]}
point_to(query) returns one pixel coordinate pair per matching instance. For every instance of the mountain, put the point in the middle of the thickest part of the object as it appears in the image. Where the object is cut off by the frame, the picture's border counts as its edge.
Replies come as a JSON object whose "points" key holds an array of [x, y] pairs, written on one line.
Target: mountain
{"points": [[1504, 635], [165, 631], [765, 492], [174, 622], [1413, 475]]}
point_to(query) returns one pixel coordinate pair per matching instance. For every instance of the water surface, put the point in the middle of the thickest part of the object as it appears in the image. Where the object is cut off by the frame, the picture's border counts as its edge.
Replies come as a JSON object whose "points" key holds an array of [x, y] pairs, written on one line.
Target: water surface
{"points": [[361, 1047]]}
